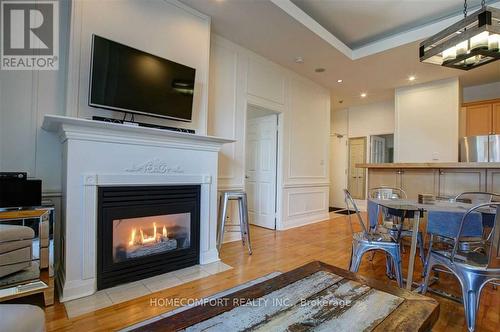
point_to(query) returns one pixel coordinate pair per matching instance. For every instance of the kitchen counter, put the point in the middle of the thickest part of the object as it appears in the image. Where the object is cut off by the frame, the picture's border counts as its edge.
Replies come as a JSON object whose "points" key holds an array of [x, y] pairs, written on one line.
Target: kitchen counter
{"points": [[437, 165], [439, 179]]}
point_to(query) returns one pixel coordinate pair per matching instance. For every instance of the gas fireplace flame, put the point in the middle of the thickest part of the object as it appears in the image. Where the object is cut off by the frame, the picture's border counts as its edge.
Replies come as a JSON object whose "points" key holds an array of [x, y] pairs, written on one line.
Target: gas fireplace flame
{"points": [[142, 238]]}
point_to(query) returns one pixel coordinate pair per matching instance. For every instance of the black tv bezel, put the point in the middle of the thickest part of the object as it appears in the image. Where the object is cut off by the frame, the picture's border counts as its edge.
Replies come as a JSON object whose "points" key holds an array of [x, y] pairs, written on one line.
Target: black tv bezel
{"points": [[125, 110]]}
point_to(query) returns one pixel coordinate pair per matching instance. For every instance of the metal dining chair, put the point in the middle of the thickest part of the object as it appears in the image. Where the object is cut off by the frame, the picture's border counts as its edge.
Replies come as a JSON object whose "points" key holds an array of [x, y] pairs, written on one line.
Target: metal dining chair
{"points": [[477, 197], [368, 240], [471, 197], [395, 224], [473, 269]]}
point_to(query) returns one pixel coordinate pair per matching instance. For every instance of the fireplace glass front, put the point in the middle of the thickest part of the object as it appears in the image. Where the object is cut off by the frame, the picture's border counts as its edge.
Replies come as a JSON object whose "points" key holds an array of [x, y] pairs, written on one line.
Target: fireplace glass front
{"points": [[138, 237], [144, 231]]}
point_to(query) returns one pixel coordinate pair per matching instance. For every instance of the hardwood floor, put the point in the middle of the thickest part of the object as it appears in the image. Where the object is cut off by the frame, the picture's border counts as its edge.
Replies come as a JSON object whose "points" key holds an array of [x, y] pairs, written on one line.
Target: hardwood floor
{"points": [[327, 241]]}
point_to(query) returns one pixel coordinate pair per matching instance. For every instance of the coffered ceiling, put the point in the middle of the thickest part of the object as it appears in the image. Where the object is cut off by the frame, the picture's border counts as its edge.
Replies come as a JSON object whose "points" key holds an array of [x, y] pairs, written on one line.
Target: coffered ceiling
{"points": [[361, 22], [371, 45]]}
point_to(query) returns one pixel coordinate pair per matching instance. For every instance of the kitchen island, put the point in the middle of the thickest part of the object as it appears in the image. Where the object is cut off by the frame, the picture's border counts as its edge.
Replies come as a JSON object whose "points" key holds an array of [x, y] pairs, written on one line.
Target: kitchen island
{"points": [[443, 179]]}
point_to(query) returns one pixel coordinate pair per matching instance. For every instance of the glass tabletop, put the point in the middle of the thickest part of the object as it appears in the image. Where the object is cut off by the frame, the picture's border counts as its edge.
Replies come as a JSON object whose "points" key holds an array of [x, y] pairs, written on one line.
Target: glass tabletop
{"points": [[414, 205]]}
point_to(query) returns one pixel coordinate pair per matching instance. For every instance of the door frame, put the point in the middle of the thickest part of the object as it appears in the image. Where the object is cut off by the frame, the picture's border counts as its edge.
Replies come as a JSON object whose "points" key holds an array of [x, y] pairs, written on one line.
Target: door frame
{"points": [[369, 146], [365, 139], [268, 107]]}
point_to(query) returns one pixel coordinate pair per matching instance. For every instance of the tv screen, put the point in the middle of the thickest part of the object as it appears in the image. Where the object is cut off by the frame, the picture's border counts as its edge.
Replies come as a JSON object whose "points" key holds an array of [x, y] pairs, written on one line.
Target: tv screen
{"points": [[129, 80]]}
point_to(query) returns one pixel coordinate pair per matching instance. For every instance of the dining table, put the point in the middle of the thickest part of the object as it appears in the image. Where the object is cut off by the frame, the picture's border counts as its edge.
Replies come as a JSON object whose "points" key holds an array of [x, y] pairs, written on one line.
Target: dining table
{"points": [[414, 211]]}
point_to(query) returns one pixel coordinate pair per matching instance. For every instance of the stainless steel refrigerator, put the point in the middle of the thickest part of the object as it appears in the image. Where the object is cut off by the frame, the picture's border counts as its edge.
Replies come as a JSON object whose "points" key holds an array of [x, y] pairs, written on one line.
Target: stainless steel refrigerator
{"points": [[484, 148]]}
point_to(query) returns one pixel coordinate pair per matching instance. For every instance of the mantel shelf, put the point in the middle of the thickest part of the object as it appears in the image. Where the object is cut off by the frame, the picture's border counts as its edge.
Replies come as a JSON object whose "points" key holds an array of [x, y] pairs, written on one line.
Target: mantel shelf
{"points": [[56, 123]]}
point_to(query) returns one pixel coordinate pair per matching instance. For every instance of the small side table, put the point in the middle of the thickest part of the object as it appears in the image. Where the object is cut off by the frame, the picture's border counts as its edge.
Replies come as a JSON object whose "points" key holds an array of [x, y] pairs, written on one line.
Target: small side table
{"points": [[44, 282]]}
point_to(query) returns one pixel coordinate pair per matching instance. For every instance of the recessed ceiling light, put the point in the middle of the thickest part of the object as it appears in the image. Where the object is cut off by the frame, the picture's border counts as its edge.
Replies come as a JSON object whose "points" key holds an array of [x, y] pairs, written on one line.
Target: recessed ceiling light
{"points": [[299, 59], [363, 95], [411, 78], [319, 70], [340, 81]]}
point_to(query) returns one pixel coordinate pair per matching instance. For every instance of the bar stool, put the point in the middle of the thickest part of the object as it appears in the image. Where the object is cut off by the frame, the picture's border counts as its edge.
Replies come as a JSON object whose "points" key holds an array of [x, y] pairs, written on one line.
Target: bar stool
{"points": [[241, 197]]}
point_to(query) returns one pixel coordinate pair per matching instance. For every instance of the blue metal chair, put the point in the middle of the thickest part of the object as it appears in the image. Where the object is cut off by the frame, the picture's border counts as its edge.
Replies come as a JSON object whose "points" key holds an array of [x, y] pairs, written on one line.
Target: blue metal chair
{"points": [[365, 241], [473, 268]]}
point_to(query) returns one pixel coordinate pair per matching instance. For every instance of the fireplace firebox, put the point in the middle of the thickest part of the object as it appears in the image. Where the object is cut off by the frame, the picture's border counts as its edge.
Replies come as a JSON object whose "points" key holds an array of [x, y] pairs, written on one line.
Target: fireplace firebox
{"points": [[144, 231]]}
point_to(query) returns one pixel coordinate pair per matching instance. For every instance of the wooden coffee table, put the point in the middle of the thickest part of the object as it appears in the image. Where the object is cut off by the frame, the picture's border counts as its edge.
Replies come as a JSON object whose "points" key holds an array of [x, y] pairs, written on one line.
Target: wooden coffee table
{"points": [[317, 297]]}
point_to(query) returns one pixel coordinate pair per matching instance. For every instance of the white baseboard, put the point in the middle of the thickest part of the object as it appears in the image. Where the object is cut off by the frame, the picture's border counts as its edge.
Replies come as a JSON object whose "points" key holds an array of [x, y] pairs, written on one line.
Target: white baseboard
{"points": [[306, 220]]}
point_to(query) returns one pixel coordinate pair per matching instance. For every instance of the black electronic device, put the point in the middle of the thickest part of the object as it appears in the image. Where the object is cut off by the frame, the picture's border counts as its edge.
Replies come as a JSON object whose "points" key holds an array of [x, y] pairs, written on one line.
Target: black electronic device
{"points": [[20, 192], [129, 80], [14, 175], [140, 124]]}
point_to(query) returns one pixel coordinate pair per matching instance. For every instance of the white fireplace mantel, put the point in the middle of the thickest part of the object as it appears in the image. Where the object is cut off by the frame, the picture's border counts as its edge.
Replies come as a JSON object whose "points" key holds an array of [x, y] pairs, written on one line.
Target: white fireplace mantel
{"points": [[108, 154]]}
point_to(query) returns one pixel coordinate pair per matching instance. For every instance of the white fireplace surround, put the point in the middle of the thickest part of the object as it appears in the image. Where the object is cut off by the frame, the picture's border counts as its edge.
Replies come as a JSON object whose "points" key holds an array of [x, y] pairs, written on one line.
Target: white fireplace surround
{"points": [[99, 154]]}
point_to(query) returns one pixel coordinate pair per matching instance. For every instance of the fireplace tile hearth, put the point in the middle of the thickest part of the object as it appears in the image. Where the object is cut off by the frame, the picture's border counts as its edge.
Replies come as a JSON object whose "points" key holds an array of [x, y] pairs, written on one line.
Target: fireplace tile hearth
{"points": [[87, 304], [111, 296], [163, 281], [127, 292]]}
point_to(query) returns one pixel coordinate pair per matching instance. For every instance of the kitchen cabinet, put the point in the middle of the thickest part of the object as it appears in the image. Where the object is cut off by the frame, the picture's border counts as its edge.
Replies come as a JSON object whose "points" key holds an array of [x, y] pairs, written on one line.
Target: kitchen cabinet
{"points": [[493, 180], [495, 109], [455, 181], [482, 118], [384, 178], [412, 181], [419, 181], [436, 181]]}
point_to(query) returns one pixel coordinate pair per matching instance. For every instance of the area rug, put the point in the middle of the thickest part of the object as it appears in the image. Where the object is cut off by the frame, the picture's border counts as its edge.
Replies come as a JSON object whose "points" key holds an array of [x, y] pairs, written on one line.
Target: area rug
{"points": [[212, 297]]}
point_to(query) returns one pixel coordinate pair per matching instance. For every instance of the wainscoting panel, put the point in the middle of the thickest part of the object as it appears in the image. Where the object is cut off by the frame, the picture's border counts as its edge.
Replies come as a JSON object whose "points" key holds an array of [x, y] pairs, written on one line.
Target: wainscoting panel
{"points": [[304, 126], [226, 109], [303, 206], [266, 81]]}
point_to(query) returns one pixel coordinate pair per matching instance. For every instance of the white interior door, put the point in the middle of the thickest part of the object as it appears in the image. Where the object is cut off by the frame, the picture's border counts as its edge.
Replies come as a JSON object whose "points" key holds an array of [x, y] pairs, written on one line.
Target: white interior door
{"points": [[357, 152], [260, 177], [377, 149]]}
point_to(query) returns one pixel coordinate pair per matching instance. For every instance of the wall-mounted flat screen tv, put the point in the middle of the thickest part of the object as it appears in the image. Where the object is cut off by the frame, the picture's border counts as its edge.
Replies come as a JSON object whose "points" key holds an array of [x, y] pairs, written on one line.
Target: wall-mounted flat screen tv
{"points": [[129, 80]]}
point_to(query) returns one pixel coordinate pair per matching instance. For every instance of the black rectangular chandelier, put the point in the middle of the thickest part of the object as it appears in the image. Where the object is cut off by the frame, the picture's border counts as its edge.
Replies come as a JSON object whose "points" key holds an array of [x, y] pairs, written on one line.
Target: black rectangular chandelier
{"points": [[472, 42]]}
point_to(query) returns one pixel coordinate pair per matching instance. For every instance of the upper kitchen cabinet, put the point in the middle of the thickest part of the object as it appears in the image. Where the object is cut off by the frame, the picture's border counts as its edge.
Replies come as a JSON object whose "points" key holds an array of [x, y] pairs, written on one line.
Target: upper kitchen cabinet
{"points": [[482, 118], [495, 109]]}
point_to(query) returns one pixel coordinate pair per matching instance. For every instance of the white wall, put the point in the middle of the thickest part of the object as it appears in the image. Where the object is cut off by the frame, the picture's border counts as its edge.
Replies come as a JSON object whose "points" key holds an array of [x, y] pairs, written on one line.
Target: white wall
{"points": [[481, 92], [26, 96], [358, 121], [166, 28], [427, 122], [371, 119], [240, 78]]}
